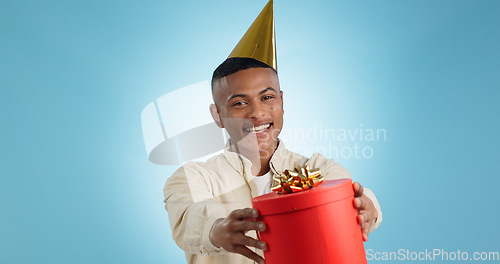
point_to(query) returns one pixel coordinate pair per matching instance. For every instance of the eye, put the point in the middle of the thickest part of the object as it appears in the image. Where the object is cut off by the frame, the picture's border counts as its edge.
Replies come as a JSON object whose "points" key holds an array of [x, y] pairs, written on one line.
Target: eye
{"points": [[267, 97], [238, 103]]}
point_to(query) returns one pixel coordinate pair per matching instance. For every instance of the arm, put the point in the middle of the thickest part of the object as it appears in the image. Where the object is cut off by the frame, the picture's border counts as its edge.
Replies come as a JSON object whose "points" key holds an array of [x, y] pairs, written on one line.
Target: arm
{"points": [[192, 211], [200, 224]]}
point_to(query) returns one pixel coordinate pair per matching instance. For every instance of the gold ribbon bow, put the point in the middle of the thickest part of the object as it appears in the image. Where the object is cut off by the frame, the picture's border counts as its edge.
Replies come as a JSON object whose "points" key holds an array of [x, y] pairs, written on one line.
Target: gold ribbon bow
{"points": [[300, 179]]}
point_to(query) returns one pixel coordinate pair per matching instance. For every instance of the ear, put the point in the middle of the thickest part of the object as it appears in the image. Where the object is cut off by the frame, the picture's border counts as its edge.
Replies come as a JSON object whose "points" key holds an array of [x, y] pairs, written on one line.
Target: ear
{"points": [[281, 98], [216, 116]]}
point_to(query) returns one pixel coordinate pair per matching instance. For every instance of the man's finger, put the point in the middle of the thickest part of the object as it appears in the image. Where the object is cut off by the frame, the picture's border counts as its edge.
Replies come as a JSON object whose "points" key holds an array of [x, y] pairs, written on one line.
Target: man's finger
{"points": [[365, 206], [358, 189], [362, 202], [365, 237], [248, 225], [360, 220], [358, 203], [365, 217], [365, 229], [244, 213], [250, 242], [249, 254]]}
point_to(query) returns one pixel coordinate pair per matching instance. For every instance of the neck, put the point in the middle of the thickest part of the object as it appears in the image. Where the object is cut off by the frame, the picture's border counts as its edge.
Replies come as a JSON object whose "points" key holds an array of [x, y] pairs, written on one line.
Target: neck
{"points": [[259, 158]]}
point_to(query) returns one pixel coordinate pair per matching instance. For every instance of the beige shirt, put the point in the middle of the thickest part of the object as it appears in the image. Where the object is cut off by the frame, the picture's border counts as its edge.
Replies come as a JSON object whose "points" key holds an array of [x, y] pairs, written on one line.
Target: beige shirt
{"points": [[199, 193]]}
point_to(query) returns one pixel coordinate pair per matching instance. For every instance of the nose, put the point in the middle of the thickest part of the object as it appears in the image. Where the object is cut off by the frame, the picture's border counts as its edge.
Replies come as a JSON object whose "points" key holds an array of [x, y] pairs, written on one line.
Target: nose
{"points": [[257, 110]]}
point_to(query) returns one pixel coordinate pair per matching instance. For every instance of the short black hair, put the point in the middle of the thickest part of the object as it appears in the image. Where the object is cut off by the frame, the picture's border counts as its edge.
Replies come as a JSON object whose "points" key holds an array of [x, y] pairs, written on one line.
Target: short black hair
{"points": [[234, 65]]}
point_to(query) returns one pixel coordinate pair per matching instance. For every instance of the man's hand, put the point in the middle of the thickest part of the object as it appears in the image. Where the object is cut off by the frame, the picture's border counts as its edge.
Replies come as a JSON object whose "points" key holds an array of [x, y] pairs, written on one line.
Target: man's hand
{"points": [[366, 210], [229, 233]]}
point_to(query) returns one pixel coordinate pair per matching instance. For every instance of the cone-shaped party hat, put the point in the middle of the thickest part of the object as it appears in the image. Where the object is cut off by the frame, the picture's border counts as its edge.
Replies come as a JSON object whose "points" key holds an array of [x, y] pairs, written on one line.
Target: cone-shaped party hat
{"points": [[259, 41]]}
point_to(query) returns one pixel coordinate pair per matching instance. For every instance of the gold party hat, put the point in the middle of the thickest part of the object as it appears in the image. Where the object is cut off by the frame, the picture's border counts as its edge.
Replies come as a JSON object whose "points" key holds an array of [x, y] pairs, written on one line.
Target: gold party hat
{"points": [[259, 42]]}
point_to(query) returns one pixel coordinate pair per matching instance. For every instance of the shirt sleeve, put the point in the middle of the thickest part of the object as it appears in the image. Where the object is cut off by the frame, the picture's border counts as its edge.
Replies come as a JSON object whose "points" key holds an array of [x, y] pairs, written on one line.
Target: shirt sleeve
{"points": [[332, 170], [192, 210]]}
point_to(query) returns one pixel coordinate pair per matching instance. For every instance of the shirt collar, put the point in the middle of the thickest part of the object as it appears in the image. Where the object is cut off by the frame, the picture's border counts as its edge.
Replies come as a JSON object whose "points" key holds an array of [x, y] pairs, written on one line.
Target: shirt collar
{"points": [[240, 163]]}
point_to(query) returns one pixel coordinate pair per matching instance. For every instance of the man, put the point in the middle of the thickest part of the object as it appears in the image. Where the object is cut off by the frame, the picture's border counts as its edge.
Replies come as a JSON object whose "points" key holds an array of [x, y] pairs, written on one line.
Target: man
{"points": [[209, 203]]}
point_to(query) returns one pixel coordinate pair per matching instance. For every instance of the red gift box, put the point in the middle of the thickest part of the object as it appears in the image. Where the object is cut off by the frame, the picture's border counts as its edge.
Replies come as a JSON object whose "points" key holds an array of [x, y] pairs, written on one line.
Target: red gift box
{"points": [[315, 226]]}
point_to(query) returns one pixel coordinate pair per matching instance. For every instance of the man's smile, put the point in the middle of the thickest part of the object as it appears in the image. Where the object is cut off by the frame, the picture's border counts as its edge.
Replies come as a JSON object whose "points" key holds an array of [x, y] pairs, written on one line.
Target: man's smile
{"points": [[258, 129]]}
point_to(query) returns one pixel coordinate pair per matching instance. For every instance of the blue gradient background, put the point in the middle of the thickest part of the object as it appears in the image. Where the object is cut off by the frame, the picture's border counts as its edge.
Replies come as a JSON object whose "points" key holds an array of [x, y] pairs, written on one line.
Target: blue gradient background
{"points": [[75, 182]]}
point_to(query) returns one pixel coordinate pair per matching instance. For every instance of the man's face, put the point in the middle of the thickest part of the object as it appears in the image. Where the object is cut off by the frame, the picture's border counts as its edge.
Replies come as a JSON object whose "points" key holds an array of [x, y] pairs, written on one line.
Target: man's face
{"points": [[250, 107]]}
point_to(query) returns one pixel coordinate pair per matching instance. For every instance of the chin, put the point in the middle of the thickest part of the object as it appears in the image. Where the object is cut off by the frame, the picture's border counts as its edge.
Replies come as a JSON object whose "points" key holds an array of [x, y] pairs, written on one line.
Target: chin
{"points": [[267, 145]]}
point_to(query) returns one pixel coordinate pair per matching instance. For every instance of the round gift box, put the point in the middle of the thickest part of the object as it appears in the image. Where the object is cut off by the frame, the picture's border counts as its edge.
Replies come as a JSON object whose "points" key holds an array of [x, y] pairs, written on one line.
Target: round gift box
{"points": [[314, 226]]}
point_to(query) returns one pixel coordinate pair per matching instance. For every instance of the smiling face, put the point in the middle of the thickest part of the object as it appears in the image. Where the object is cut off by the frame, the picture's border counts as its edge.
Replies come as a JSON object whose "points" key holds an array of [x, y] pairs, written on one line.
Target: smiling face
{"points": [[249, 104]]}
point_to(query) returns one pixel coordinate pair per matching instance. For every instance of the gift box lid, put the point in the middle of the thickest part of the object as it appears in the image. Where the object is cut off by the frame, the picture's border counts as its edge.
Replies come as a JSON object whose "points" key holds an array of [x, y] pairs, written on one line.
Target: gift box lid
{"points": [[327, 192]]}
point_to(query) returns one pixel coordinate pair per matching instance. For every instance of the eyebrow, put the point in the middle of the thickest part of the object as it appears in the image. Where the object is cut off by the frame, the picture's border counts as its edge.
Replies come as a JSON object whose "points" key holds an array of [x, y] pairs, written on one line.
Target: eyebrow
{"points": [[268, 89], [244, 95]]}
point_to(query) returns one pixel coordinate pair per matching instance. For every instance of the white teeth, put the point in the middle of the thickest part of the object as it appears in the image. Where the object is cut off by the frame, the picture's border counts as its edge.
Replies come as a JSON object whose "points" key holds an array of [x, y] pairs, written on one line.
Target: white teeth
{"points": [[258, 129]]}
